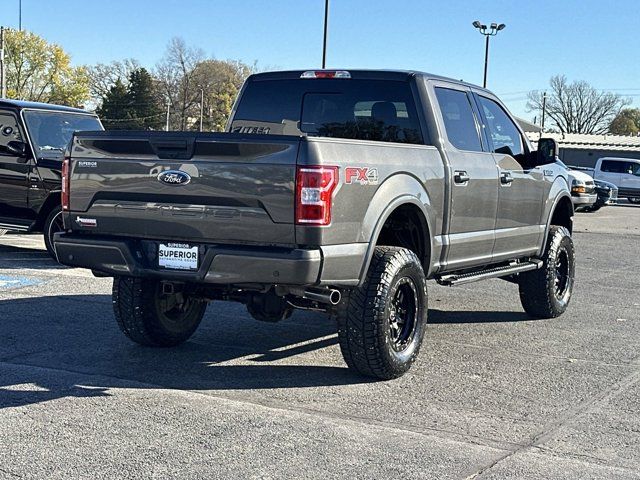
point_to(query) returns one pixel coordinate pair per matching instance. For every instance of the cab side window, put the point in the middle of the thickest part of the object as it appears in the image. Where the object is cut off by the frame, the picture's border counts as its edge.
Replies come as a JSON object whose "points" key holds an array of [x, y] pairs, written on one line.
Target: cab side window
{"points": [[611, 166], [9, 131], [459, 120], [505, 136]]}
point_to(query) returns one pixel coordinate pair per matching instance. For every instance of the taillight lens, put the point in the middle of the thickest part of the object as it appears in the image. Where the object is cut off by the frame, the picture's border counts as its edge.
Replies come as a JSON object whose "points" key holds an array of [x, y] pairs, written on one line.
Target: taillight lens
{"points": [[314, 192], [65, 184]]}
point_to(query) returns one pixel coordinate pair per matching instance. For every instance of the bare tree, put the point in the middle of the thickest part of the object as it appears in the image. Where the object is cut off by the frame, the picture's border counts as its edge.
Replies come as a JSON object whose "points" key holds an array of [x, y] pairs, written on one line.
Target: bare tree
{"points": [[175, 74], [577, 107], [103, 76]]}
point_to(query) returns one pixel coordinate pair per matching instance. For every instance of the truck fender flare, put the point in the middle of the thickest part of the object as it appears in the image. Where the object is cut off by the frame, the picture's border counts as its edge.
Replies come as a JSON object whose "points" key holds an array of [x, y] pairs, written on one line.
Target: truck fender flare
{"points": [[386, 212], [563, 194]]}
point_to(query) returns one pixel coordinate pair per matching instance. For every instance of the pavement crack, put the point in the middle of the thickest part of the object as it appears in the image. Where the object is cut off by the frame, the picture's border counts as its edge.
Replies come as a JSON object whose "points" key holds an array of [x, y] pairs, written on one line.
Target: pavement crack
{"points": [[564, 420]]}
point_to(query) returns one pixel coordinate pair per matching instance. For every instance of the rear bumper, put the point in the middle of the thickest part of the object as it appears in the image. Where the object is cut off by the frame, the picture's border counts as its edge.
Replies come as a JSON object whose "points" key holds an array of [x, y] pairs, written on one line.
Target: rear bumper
{"points": [[219, 264]]}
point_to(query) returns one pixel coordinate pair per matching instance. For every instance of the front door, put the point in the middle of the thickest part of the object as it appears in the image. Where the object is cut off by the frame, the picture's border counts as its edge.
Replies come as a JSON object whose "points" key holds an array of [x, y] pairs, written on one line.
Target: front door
{"points": [[473, 179], [519, 226], [14, 175]]}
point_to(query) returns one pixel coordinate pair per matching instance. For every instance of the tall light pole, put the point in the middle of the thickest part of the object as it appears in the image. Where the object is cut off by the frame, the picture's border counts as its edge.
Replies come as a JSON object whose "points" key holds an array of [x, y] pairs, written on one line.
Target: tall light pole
{"points": [[492, 31], [324, 40], [201, 106]]}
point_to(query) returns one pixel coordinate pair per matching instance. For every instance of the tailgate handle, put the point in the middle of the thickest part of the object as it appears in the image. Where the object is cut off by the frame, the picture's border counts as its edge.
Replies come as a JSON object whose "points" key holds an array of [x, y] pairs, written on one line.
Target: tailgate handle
{"points": [[179, 148], [177, 145]]}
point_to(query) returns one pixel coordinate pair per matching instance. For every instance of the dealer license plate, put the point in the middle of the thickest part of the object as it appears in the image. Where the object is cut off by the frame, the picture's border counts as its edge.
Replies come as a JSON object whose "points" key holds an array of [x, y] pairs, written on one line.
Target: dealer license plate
{"points": [[178, 256]]}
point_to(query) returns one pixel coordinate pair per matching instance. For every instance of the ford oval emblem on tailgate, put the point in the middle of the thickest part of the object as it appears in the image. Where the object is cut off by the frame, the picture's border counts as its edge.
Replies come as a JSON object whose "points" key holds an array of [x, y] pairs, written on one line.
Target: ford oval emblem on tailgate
{"points": [[174, 177]]}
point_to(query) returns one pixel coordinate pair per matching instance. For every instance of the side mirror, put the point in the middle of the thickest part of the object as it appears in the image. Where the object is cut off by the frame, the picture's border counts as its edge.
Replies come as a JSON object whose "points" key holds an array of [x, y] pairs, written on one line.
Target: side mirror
{"points": [[19, 149], [548, 151]]}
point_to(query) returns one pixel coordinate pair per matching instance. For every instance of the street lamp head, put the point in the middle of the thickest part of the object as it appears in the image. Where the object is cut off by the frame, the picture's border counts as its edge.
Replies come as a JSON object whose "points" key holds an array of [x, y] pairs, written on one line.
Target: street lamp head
{"points": [[494, 26], [501, 26], [476, 24]]}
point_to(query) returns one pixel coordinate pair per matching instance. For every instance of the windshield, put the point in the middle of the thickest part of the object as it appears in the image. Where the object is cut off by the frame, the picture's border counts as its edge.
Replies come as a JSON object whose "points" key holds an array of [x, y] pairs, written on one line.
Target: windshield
{"points": [[52, 131]]}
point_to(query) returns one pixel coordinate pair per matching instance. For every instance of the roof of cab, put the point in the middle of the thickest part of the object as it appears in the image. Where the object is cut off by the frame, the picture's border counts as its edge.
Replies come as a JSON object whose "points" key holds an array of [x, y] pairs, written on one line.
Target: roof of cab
{"points": [[363, 74], [21, 104]]}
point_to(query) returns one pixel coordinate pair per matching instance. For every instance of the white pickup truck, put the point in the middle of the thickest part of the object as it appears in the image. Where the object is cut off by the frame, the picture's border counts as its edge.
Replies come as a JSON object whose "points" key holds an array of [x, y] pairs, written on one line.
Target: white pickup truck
{"points": [[624, 173]]}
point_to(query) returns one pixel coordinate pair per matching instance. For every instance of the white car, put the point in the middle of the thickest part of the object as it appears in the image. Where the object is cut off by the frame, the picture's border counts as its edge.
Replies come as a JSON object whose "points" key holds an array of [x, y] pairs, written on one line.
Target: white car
{"points": [[583, 189], [623, 173]]}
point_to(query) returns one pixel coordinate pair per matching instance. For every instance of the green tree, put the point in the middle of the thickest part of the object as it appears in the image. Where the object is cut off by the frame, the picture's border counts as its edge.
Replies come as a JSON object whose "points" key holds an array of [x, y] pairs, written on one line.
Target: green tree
{"points": [[115, 111], [41, 71], [627, 122], [220, 81], [145, 110], [134, 106]]}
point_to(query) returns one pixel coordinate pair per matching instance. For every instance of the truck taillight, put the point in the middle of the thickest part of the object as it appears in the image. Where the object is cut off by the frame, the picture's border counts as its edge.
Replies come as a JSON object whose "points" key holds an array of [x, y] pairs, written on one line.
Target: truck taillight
{"points": [[65, 184], [314, 192]]}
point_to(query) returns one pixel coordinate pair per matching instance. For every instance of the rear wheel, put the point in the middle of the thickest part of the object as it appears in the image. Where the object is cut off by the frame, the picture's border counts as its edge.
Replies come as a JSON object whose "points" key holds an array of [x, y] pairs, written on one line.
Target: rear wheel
{"points": [[635, 200], [150, 317], [381, 324], [52, 225], [546, 292]]}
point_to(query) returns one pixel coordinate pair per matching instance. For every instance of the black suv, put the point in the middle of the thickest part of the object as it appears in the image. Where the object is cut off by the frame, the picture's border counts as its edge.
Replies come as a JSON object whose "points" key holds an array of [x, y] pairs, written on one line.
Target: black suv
{"points": [[33, 137]]}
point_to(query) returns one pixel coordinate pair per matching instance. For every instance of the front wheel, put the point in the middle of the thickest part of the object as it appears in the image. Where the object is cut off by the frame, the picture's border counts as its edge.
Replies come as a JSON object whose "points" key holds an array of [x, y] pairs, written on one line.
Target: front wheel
{"points": [[635, 200], [150, 317], [546, 292], [381, 324], [52, 225]]}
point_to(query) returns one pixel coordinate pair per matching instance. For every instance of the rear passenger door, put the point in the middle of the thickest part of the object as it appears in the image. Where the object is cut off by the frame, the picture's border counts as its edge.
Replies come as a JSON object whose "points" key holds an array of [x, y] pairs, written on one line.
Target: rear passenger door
{"points": [[473, 179], [522, 187]]}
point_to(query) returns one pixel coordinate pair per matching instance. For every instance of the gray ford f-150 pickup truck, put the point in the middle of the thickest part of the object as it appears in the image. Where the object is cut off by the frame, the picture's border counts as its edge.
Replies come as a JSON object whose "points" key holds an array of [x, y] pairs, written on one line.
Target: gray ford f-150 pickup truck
{"points": [[338, 191]]}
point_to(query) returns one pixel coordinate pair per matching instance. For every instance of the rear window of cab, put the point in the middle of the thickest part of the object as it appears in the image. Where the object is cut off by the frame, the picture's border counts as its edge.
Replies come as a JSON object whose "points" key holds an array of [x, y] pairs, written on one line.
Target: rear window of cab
{"points": [[378, 110]]}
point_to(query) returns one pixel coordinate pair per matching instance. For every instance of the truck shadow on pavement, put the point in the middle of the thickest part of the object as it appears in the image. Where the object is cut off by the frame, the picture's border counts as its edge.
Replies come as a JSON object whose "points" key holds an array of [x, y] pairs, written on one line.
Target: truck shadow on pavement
{"points": [[70, 346], [25, 257]]}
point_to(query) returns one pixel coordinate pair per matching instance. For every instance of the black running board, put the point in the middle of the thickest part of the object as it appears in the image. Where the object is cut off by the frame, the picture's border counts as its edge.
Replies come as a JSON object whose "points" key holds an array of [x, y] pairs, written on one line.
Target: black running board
{"points": [[495, 272]]}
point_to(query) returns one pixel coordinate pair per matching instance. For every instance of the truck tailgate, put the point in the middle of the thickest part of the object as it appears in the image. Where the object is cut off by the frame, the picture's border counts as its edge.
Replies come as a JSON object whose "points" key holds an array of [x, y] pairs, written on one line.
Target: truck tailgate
{"points": [[210, 188]]}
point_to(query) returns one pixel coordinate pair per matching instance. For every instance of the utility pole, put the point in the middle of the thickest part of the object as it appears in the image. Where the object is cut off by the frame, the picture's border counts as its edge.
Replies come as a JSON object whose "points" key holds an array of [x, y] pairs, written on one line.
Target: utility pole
{"points": [[324, 41], [20, 15], [201, 106], [3, 75], [166, 129], [544, 108]]}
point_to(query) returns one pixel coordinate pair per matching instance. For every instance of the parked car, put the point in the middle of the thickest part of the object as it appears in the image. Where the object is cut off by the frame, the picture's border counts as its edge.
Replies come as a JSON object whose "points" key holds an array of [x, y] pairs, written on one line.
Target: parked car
{"points": [[583, 189], [33, 137], [624, 173], [334, 191], [607, 195]]}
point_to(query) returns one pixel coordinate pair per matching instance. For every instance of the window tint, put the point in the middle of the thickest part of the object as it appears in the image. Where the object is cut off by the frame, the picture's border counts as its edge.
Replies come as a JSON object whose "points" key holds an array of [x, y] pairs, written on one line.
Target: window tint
{"points": [[459, 120], [9, 131], [504, 133], [359, 109], [612, 166]]}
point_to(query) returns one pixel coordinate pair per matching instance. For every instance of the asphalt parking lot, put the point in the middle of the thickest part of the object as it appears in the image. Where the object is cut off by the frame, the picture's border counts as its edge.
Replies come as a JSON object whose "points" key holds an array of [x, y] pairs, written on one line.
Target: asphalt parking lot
{"points": [[493, 395]]}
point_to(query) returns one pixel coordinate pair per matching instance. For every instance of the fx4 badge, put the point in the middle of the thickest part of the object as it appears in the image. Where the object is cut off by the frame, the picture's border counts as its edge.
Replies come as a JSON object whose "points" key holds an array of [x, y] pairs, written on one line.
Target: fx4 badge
{"points": [[361, 175]]}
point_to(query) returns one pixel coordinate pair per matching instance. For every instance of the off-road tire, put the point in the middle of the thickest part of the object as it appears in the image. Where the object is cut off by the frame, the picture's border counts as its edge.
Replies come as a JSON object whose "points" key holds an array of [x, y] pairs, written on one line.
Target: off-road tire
{"points": [[546, 292], [364, 315], [52, 224], [136, 304]]}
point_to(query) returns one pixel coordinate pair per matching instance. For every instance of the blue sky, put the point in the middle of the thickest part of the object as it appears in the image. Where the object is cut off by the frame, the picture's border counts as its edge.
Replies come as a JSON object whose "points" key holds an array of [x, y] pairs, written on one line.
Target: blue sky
{"points": [[586, 40]]}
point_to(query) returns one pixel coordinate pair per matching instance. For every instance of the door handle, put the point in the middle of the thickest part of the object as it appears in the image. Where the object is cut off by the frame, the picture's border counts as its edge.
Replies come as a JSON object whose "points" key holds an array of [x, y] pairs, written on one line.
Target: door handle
{"points": [[460, 176], [506, 178]]}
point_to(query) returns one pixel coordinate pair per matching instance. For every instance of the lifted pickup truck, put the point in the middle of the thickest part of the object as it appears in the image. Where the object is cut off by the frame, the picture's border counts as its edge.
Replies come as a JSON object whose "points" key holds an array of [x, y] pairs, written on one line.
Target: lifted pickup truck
{"points": [[33, 137], [339, 191]]}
